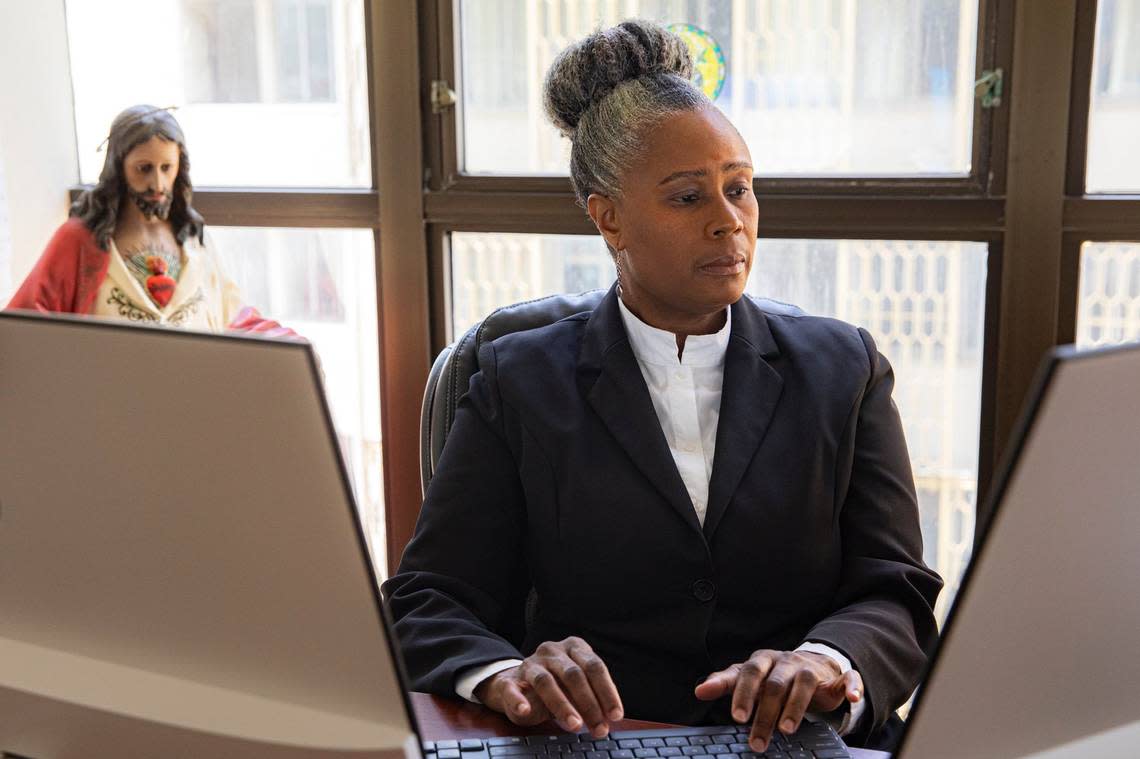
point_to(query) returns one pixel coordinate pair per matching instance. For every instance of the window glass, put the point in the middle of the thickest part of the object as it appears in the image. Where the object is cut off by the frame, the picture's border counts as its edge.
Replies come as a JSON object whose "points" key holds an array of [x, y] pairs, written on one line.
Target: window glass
{"points": [[815, 86], [322, 283], [1108, 310], [268, 92], [924, 303], [1114, 113]]}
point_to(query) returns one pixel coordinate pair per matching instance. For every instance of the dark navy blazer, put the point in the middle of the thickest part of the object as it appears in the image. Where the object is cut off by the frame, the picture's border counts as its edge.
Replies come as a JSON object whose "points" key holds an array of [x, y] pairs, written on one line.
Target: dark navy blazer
{"points": [[556, 475]]}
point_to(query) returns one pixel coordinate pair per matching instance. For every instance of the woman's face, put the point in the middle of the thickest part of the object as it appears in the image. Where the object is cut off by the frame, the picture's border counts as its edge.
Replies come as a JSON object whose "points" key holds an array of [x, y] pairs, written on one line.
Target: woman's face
{"points": [[685, 224]]}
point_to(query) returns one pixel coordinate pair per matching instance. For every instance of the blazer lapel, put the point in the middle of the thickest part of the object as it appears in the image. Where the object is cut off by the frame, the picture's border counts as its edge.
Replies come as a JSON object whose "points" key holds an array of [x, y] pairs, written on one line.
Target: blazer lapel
{"points": [[751, 390], [611, 380]]}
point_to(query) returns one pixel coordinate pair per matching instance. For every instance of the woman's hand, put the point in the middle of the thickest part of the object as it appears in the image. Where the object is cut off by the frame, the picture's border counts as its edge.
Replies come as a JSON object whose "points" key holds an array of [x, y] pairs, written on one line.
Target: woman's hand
{"points": [[780, 686], [565, 681]]}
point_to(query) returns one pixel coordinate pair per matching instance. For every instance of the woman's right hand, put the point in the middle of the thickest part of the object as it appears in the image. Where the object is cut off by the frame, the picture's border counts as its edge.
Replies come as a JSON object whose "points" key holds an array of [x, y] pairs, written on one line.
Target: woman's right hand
{"points": [[565, 681]]}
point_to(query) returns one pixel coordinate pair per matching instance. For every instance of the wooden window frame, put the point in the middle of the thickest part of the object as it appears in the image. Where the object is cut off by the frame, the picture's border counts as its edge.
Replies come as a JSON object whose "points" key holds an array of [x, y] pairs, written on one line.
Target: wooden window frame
{"points": [[1024, 198], [969, 208]]}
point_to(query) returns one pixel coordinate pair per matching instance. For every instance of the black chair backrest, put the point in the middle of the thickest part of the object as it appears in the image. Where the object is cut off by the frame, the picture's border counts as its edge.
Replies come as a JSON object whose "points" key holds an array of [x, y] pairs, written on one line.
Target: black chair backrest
{"points": [[453, 367]]}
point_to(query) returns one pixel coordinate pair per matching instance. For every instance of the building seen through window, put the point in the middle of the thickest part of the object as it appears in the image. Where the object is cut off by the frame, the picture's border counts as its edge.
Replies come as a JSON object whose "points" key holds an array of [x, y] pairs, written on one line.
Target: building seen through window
{"points": [[1108, 310], [269, 92], [814, 86], [1114, 115]]}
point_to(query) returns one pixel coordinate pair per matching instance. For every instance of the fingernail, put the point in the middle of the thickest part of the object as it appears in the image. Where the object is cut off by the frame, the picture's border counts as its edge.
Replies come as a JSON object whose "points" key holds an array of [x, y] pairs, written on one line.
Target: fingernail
{"points": [[739, 715], [599, 731], [574, 723], [615, 714], [522, 707], [758, 744], [788, 726], [856, 695]]}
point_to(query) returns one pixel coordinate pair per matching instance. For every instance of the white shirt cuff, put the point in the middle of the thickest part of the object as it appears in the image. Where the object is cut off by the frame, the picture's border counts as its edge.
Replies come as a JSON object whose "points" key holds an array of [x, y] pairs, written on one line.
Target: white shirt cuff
{"points": [[852, 715], [466, 683]]}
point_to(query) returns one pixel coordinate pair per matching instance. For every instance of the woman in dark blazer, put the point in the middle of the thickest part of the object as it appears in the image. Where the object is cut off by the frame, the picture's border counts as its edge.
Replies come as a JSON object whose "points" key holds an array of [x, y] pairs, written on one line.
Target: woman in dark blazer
{"points": [[713, 504]]}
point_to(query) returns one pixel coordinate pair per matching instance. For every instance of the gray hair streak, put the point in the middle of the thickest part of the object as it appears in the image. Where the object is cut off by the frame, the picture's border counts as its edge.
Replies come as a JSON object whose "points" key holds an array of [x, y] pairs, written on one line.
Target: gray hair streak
{"points": [[605, 92]]}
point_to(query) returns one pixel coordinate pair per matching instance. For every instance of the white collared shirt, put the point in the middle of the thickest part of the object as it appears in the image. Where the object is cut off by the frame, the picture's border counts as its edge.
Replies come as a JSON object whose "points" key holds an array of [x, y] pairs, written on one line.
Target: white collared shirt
{"points": [[686, 395], [685, 391]]}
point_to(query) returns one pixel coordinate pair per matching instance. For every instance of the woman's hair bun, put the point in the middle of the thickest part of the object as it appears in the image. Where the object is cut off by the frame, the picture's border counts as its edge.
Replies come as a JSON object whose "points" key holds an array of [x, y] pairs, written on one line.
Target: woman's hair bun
{"points": [[593, 67]]}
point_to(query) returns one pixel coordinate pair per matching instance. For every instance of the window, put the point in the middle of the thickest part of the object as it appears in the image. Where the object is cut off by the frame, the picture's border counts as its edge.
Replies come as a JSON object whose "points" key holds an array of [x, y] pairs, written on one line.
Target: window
{"points": [[1109, 308], [220, 63], [1114, 118], [269, 92], [860, 114], [304, 63], [815, 87]]}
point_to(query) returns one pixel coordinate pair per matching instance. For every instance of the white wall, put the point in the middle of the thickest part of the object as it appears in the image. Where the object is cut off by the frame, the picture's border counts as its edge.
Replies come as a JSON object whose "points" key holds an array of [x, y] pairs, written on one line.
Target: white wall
{"points": [[5, 235], [37, 129]]}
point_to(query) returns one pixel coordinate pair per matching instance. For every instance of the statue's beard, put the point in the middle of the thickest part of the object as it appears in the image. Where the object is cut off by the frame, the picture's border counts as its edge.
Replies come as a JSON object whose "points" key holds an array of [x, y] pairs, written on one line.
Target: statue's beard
{"points": [[152, 209]]}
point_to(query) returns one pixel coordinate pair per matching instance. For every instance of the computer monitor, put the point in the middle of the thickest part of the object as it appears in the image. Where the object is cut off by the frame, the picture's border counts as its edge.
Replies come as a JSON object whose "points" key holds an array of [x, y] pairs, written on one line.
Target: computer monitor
{"points": [[181, 564], [1042, 645]]}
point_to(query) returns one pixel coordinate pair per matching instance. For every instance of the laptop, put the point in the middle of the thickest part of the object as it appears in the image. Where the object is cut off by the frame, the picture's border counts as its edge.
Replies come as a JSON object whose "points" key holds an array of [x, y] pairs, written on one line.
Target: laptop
{"points": [[183, 571]]}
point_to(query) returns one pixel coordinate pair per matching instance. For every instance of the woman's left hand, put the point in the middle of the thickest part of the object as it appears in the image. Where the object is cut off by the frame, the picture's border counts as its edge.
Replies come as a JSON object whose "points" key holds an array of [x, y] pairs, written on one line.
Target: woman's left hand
{"points": [[781, 686]]}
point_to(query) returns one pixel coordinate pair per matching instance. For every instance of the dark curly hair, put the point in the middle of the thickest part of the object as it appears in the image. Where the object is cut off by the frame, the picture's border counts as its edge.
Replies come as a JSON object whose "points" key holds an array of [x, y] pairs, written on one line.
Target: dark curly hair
{"points": [[99, 206], [605, 91]]}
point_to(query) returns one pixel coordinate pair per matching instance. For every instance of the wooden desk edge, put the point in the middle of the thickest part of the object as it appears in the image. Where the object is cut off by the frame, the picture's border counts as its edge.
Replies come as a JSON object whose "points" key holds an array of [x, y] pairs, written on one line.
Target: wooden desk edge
{"points": [[441, 718]]}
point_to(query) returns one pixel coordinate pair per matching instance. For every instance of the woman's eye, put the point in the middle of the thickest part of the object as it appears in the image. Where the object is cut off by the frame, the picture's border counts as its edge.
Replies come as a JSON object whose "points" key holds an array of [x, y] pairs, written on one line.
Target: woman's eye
{"points": [[739, 192], [688, 197], [165, 167]]}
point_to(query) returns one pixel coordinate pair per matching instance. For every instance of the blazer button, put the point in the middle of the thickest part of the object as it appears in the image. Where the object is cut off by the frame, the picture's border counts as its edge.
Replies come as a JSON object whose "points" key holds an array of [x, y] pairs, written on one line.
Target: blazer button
{"points": [[704, 590]]}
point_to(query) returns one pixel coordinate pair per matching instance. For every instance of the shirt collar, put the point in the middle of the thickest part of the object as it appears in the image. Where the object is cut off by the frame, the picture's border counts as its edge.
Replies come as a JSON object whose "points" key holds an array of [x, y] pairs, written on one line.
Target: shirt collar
{"points": [[657, 346]]}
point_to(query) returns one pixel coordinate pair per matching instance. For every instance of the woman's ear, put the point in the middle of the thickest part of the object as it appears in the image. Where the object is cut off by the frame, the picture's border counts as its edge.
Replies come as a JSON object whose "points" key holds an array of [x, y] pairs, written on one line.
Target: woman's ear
{"points": [[603, 211]]}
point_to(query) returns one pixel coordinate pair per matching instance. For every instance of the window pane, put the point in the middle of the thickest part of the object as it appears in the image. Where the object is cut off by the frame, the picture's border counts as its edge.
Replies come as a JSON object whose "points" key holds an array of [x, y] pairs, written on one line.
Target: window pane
{"points": [[1108, 309], [1114, 113], [924, 303], [815, 86], [322, 283], [269, 92]]}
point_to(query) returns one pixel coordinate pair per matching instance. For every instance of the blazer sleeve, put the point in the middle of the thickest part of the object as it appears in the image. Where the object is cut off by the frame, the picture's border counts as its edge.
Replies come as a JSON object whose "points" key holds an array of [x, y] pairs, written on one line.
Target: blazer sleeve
{"points": [[883, 619], [458, 597]]}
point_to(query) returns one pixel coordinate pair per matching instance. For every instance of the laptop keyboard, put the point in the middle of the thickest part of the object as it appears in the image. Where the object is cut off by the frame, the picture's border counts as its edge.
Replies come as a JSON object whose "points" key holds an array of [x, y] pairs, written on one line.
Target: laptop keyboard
{"points": [[814, 740]]}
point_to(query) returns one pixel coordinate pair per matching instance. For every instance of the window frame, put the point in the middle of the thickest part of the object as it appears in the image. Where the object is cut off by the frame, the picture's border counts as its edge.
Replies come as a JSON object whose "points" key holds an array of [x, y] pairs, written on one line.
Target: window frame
{"points": [[970, 208], [1024, 198]]}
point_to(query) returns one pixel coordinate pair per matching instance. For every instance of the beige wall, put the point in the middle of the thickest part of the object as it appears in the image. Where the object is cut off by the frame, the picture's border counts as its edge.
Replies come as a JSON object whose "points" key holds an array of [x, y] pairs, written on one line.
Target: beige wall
{"points": [[37, 129]]}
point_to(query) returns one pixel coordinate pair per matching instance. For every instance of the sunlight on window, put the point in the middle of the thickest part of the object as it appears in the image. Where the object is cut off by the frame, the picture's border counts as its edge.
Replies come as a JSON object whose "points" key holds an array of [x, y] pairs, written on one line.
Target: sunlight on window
{"points": [[269, 92], [1108, 310], [814, 86], [1114, 114]]}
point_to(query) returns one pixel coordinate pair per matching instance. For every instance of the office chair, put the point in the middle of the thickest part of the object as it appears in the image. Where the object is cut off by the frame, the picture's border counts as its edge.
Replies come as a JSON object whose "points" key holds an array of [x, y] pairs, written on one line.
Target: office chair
{"points": [[453, 367]]}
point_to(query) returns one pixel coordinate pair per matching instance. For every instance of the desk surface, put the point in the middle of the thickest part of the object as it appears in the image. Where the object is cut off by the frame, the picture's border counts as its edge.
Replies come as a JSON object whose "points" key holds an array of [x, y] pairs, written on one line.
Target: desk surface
{"points": [[451, 718]]}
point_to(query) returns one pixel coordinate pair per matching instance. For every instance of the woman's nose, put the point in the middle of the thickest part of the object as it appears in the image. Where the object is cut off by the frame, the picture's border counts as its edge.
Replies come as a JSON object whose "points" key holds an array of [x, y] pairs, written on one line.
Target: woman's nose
{"points": [[726, 222]]}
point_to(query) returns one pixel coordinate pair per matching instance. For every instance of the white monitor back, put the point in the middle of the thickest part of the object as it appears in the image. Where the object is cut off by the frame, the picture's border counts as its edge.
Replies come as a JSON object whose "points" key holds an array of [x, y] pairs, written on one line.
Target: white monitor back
{"points": [[1042, 646], [181, 564]]}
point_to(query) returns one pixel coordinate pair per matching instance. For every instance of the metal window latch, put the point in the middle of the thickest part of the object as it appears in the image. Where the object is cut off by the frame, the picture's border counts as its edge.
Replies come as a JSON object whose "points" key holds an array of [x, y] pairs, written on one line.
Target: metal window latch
{"points": [[988, 88], [442, 96]]}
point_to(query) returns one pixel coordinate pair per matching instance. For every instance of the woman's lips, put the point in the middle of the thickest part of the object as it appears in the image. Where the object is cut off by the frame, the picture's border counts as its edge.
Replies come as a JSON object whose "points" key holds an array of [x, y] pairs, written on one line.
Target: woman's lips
{"points": [[725, 266]]}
